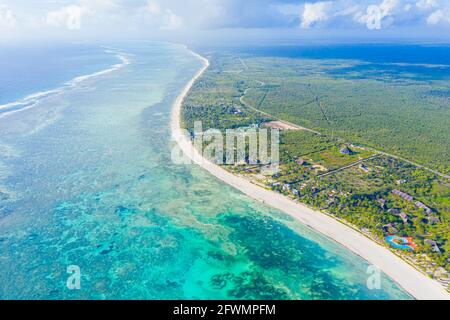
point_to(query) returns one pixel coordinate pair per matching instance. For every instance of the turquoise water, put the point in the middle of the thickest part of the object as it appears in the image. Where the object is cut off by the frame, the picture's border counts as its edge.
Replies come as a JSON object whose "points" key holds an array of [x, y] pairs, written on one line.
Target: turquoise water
{"points": [[86, 179]]}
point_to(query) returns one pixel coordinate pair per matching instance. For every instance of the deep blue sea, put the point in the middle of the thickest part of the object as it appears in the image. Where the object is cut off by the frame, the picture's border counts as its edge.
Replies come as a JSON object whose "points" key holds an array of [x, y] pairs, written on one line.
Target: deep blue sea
{"points": [[86, 180], [381, 53], [423, 61]]}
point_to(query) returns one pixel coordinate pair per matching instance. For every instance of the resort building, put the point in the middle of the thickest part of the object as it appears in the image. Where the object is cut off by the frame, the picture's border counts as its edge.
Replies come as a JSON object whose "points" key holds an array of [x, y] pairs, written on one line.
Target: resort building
{"points": [[410, 198], [405, 196], [236, 110], [382, 203], [397, 213], [433, 245], [393, 211], [364, 168], [346, 150], [433, 220], [419, 204], [390, 228], [404, 217]]}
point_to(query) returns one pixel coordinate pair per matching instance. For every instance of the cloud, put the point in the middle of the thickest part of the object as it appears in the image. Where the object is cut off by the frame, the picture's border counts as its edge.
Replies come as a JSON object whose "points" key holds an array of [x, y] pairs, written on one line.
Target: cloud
{"points": [[69, 17], [216, 14], [149, 17], [426, 4], [171, 21], [376, 13], [7, 19], [99, 5], [314, 12], [435, 17], [153, 8], [439, 16], [347, 11], [159, 15]]}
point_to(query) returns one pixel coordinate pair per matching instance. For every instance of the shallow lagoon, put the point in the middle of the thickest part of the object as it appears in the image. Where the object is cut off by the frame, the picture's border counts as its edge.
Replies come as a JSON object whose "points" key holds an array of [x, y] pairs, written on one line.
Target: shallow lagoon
{"points": [[86, 179]]}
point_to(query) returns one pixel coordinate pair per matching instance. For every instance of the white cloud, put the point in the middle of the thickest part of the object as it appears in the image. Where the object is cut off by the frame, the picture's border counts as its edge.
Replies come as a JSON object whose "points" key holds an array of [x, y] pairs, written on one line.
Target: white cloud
{"points": [[107, 17], [153, 8], [435, 17], [99, 5], [314, 12], [347, 11], [426, 4], [7, 19], [376, 13], [440, 16], [171, 21], [162, 17], [69, 17]]}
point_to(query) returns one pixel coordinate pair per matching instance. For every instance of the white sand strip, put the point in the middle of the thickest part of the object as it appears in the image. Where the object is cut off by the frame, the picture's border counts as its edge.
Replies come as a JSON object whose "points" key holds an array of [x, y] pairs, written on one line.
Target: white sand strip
{"points": [[410, 279]]}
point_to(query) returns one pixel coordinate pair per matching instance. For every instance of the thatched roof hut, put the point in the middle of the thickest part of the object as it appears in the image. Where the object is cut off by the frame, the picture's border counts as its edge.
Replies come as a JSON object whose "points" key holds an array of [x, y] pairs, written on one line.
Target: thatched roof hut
{"points": [[346, 150]]}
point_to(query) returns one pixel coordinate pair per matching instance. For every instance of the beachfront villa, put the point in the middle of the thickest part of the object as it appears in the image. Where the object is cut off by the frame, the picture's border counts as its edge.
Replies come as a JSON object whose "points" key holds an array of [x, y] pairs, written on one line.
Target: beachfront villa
{"points": [[403, 195], [433, 244], [382, 203], [419, 204], [404, 217]]}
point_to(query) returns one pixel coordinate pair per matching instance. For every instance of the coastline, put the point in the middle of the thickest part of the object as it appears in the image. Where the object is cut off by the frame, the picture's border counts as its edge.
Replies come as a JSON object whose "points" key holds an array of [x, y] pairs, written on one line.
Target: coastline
{"points": [[31, 100], [405, 275]]}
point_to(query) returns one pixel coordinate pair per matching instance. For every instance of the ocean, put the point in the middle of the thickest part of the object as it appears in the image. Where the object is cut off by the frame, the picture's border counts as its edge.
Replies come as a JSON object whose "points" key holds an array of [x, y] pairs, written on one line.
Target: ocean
{"points": [[86, 180], [408, 61]]}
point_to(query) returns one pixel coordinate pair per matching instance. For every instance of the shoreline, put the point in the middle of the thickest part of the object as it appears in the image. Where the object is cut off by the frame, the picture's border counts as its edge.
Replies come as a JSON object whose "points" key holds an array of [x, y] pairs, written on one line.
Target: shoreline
{"points": [[31, 100], [417, 284]]}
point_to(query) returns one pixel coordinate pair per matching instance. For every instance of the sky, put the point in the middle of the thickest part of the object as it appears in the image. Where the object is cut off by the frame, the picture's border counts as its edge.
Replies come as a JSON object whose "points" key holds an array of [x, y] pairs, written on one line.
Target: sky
{"points": [[207, 19]]}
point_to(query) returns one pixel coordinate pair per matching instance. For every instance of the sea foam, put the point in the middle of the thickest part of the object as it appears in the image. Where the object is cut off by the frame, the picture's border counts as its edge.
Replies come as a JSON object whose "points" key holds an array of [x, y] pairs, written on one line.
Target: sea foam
{"points": [[34, 99]]}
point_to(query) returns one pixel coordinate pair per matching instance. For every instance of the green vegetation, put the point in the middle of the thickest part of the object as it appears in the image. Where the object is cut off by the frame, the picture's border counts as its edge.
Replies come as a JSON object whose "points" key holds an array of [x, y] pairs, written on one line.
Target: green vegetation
{"points": [[400, 116], [214, 100]]}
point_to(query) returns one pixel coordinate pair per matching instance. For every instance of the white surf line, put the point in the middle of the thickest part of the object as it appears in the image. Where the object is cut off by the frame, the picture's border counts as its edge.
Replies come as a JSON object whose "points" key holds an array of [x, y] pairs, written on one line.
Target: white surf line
{"points": [[405, 275], [32, 100]]}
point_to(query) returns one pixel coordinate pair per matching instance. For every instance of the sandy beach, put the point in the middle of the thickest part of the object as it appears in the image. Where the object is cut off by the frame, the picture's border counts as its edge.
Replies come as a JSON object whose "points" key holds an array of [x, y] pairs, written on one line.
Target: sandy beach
{"points": [[410, 279]]}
